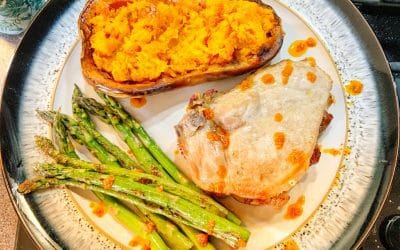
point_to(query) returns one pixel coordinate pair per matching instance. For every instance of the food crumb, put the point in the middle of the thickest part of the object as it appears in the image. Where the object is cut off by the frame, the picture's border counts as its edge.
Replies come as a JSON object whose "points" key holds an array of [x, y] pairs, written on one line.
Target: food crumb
{"points": [[290, 244], [331, 100], [354, 88], [295, 210], [138, 102], [98, 209]]}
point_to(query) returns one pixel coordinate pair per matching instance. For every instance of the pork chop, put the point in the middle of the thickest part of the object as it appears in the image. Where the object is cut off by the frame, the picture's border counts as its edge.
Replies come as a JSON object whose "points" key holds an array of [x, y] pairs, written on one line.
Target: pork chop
{"points": [[255, 141]]}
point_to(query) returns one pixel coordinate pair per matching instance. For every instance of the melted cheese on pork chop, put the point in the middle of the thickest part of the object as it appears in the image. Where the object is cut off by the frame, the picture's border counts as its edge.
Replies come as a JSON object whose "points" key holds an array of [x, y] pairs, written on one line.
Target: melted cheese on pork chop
{"points": [[264, 156]]}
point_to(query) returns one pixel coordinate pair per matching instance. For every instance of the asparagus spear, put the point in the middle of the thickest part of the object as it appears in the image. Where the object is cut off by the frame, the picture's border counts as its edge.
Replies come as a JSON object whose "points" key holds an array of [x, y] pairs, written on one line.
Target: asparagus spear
{"points": [[147, 141], [194, 215], [120, 212], [169, 231], [132, 221], [148, 163], [29, 186], [113, 106], [198, 198]]}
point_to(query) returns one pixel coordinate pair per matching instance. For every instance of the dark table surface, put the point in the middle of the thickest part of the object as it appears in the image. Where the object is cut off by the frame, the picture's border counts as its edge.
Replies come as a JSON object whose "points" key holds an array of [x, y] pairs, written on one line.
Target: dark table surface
{"points": [[385, 21]]}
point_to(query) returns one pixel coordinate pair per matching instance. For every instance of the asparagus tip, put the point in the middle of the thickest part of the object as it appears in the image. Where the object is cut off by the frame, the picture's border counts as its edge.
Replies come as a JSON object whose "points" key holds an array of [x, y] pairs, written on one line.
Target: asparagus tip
{"points": [[27, 187]]}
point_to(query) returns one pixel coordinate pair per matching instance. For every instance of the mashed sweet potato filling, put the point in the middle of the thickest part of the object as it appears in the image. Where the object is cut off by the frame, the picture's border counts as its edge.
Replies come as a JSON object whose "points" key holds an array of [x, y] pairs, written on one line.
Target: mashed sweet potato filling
{"points": [[144, 40]]}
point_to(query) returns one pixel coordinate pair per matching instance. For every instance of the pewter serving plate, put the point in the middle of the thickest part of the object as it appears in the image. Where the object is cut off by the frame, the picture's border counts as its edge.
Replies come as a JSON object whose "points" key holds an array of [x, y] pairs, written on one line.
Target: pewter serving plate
{"points": [[343, 193]]}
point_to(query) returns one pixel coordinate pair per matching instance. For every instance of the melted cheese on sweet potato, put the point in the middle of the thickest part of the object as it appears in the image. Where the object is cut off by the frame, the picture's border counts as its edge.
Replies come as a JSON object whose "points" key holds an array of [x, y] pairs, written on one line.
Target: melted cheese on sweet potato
{"points": [[144, 40]]}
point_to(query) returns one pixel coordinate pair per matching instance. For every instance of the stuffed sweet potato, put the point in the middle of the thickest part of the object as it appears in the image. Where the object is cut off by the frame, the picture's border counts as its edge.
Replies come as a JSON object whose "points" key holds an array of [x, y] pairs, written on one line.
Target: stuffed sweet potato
{"points": [[142, 47]]}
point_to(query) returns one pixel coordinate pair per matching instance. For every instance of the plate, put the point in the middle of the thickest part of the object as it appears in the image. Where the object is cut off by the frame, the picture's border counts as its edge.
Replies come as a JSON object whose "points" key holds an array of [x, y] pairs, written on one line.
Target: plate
{"points": [[343, 193]]}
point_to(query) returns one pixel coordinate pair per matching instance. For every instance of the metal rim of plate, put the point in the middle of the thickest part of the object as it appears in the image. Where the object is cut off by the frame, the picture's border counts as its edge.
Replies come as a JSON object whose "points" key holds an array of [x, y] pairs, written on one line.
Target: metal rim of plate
{"points": [[351, 19]]}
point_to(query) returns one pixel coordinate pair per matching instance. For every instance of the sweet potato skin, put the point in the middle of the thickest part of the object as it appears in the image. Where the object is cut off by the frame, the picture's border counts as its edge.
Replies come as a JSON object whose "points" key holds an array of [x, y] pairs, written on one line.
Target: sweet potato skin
{"points": [[103, 80]]}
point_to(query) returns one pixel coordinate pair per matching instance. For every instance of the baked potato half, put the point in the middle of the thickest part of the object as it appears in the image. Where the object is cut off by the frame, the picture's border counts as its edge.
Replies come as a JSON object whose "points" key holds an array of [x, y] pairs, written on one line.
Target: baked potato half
{"points": [[136, 48]]}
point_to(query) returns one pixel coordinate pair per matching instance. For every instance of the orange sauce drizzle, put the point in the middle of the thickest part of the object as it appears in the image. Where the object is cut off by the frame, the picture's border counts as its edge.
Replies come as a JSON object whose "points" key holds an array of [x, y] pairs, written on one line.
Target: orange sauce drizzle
{"points": [[210, 226], [300, 47], [311, 77], [160, 188], [355, 87], [290, 244], [346, 151], [150, 227], [138, 241], [279, 140], [221, 171], [241, 243], [332, 151], [108, 182], [298, 159], [202, 239], [295, 210], [246, 84], [220, 135], [337, 177], [208, 113], [138, 102], [287, 71], [98, 209], [311, 42], [278, 117], [268, 79], [311, 61]]}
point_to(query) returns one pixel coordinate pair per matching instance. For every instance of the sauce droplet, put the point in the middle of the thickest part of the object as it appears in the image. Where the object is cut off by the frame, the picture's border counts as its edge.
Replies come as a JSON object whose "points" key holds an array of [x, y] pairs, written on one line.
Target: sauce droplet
{"points": [[279, 140], [138, 241], [311, 61], [287, 71], [208, 113], [138, 102], [355, 87], [311, 77], [300, 47], [278, 117], [290, 244], [332, 151], [346, 151], [268, 79], [98, 209], [295, 210], [246, 84]]}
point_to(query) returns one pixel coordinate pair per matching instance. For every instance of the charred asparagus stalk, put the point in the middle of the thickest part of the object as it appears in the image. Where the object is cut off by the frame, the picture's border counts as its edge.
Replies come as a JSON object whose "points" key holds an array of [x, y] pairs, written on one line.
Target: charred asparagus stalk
{"points": [[120, 212], [175, 206], [169, 231]]}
